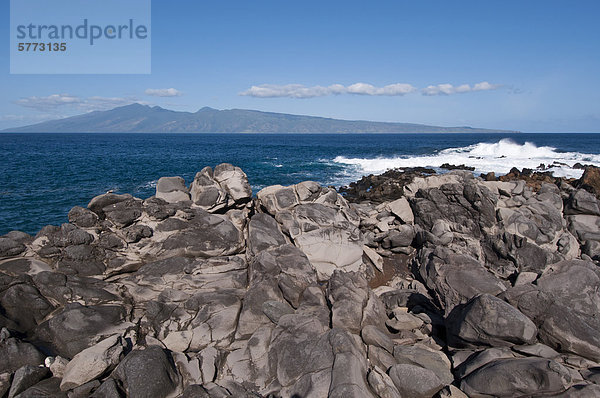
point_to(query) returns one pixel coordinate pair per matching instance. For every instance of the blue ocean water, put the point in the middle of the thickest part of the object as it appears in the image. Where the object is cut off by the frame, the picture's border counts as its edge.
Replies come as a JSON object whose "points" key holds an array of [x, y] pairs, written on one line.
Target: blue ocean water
{"points": [[42, 176]]}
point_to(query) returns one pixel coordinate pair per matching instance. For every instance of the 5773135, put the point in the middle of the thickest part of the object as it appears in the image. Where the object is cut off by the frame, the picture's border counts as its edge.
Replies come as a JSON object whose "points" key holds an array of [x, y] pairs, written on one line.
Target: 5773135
{"points": [[50, 46]]}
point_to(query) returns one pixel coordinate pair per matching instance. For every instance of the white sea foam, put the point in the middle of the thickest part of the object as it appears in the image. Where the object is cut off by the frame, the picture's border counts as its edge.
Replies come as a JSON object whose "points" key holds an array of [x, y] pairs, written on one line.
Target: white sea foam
{"points": [[149, 184], [498, 157]]}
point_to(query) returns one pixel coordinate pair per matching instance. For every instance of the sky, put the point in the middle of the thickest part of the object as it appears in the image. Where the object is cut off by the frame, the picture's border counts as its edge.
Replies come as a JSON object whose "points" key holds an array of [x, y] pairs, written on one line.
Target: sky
{"points": [[531, 66]]}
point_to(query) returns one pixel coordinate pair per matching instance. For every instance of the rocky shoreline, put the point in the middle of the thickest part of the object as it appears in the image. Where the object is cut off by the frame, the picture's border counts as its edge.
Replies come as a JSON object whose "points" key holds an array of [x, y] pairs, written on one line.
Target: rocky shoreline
{"points": [[408, 284]]}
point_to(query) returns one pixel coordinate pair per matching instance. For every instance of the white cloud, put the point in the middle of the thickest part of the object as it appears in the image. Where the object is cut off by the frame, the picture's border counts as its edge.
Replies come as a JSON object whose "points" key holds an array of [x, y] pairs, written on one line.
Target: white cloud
{"points": [[300, 91], [50, 102], [397, 89], [391, 89], [448, 89], [66, 102], [163, 92], [292, 91]]}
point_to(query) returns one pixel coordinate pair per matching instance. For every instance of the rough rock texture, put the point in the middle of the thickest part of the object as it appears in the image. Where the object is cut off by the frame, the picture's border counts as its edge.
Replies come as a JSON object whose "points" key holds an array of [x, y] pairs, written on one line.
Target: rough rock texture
{"points": [[172, 189], [319, 222], [409, 285], [225, 187], [26, 377], [92, 362], [487, 320], [147, 373], [590, 180], [517, 377]]}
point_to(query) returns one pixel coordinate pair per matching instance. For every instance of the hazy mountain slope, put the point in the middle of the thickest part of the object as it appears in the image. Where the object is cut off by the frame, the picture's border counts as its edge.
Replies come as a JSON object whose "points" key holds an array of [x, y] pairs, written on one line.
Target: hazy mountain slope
{"points": [[142, 118]]}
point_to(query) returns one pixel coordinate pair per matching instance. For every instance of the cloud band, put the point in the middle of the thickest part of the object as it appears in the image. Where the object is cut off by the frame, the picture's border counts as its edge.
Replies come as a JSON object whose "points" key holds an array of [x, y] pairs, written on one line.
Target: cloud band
{"points": [[397, 89], [163, 92]]}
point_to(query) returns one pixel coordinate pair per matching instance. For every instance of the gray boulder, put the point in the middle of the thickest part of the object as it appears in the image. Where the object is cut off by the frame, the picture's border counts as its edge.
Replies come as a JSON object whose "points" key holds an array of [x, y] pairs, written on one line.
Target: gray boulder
{"points": [[234, 181], [69, 235], [85, 390], [26, 377], [83, 260], [539, 219], [456, 278], [252, 315], [62, 289], [331, 248], [481, 358], [487, 320], [414, 381], [517, 377], [374, 336], [584, 226], [592, 249], [290, 268], [82, 217], [347, 292], [147, 373], [263, 233], [15, 353], [581, 391], [302, 355], [425, 357], [195, 391], [225, 187], [123, 213], [401, 209], [348, 374], [328, 236], [98, 203], [382, 384], [45, 388], [576, 283], [158, 209], [466, 206], [10, 247], [19, 236], [108, 389], [215, 315], [4, 383], [274, 310], [172, 189], [380, 357], [92, 362], [206, 192], [276, 198], [563, 305], [402, 237], [205, 235], [319, 222], [23, 304], [135, 233], [111, 241], [76, 327], [537, 350], [582, 202]]}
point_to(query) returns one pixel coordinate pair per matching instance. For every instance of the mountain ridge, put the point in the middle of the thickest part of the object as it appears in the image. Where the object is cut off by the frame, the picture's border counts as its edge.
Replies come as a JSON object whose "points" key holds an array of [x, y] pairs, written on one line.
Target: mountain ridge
{"points": [[135, 118]]}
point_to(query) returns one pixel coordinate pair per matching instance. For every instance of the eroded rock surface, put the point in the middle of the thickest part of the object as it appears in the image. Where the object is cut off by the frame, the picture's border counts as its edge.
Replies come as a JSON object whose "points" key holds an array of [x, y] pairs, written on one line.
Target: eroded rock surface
{"points": [[420, 285]]}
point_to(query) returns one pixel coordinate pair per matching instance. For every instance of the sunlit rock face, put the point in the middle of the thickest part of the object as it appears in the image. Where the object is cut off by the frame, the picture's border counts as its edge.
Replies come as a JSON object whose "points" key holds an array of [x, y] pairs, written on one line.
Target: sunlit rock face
{"points": [[445, 285]]}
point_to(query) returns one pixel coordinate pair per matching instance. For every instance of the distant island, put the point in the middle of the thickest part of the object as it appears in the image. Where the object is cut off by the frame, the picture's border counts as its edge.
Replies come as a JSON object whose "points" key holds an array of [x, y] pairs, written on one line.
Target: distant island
{"points": [[137, 118]]}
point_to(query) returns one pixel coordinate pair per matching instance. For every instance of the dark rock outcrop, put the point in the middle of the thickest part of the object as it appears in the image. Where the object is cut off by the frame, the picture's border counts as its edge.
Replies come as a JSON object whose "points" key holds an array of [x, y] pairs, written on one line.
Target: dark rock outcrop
{"points": [[410, 284]]}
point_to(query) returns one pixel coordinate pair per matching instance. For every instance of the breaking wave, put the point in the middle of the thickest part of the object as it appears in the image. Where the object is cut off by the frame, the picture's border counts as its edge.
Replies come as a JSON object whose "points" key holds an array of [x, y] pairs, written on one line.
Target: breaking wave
{"points": [[498, 157]]}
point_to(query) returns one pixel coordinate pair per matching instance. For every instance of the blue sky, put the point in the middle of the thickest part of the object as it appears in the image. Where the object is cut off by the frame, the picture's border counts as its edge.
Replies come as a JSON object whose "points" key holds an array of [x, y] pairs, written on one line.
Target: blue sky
{"points": [[525, 65]]}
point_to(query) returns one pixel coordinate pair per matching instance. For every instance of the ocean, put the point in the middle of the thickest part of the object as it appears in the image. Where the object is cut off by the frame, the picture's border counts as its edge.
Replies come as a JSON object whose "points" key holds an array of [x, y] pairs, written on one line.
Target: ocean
{"points": [[42, 176]]}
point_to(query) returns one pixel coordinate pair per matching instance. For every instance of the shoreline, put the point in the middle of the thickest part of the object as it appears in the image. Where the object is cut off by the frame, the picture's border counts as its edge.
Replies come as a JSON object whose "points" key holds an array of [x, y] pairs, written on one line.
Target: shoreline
{"points": [[417, 284]]}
